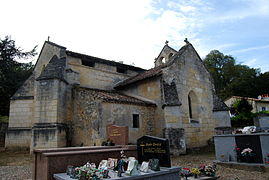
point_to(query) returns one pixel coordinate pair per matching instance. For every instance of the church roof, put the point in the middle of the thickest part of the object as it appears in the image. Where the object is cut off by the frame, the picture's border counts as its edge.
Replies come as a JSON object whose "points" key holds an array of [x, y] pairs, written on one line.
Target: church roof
{"points": [[218, 104], [117, 97], [145, 75], [154, 72], [54, 70]]}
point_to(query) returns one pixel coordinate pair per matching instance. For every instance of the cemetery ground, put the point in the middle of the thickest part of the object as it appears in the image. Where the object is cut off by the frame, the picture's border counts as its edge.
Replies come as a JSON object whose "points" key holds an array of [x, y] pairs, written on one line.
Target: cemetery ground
{"points": [[17, 165]]}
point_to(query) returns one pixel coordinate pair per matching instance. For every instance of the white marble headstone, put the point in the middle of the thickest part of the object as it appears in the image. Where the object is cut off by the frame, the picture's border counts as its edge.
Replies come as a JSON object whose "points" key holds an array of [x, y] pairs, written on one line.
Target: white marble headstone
{"points": [[144, 167], [102, 164], [132, 168]]}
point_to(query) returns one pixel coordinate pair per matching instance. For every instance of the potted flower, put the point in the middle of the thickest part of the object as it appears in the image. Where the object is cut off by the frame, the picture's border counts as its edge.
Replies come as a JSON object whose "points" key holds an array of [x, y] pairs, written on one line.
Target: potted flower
{"points": [[185, 172], [238, 154], [247, 154], [210, 170], [195, 172]]}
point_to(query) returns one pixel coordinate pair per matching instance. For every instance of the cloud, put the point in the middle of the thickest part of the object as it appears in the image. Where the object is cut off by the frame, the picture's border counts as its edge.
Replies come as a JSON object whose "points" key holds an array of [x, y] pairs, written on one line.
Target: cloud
{"points": [[132, 31], [249, 49], [251, 62]]}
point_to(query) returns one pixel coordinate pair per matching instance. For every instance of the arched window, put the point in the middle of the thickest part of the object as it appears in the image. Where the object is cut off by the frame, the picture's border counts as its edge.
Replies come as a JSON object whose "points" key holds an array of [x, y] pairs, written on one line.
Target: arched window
{"points": [[162, 60], [170, 55], [193, 106]]}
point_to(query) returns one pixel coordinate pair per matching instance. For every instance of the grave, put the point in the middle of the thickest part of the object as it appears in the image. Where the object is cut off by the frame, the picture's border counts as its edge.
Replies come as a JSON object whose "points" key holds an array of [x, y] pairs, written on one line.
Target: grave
{"points": [[230, 148], [118, 134], [55, 160], [150, 147]]}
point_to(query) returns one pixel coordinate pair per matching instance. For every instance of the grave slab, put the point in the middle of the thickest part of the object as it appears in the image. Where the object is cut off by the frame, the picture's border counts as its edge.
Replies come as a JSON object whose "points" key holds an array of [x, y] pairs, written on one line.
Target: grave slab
{"points": [[165, 173]]}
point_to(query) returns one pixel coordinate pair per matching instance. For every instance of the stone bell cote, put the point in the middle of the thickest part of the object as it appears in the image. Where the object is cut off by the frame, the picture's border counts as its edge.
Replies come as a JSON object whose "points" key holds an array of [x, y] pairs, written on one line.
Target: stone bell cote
{"points": [[166, 53]]}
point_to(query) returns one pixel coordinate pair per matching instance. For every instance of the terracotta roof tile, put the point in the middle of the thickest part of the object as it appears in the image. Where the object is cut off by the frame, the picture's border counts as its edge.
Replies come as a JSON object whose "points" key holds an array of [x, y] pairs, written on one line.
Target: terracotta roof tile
{"points": [[115, 96], [147, 74]]}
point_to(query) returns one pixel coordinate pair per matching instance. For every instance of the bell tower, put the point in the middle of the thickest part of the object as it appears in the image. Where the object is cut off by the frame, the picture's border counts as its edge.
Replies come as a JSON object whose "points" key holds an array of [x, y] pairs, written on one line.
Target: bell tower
{"points": [[165, 55]]}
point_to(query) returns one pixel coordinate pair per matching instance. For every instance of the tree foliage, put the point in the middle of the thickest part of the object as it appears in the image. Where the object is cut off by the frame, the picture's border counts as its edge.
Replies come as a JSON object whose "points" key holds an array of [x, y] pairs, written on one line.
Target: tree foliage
{"points": [[12, 72], [242, 113], [230, 78]]}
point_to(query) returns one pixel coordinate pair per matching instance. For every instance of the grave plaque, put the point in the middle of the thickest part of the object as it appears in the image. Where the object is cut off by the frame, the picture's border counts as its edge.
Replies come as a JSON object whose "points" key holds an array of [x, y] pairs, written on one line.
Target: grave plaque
{"points": [[150, 147], [118, 134]]}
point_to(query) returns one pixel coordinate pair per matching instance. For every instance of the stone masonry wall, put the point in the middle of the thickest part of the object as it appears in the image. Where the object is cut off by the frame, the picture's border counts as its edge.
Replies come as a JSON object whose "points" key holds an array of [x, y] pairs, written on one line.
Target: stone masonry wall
{"points": [[100, 76], [21, 113], [18, 138], [151, 89], [122, 115], [189, 74], [91, 116], [85, 123]]}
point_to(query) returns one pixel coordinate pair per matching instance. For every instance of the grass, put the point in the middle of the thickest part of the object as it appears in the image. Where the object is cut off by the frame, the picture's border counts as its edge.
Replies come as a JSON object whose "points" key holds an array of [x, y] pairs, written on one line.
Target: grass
{"points": [[3, 119]]}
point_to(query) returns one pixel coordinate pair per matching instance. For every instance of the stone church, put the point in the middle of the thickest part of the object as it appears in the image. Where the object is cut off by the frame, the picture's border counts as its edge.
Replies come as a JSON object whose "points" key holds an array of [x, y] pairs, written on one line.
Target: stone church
{"points": [[70, 98]]}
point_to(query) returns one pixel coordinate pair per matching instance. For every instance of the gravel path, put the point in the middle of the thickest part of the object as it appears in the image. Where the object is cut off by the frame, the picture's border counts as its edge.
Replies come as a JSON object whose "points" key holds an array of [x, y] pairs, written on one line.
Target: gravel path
{"points": [[16, 172], [225, 173]]}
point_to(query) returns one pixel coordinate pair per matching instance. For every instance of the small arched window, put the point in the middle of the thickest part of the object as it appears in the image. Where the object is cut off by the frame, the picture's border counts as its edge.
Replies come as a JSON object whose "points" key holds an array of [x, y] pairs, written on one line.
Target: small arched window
{"points": [[170, 55], [162, 60], [193, 107]]}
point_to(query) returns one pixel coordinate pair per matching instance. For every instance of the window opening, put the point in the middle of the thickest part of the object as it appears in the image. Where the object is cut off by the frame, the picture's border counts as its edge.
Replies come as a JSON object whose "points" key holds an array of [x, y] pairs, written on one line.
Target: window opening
{"points": [[135, 120], [121, 70], [87, 63]]}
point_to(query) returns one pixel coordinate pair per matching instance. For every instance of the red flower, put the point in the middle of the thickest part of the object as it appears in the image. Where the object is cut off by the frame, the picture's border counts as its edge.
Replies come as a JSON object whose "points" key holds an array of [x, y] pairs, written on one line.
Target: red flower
{"points": [[237, 149], [267, 162]]}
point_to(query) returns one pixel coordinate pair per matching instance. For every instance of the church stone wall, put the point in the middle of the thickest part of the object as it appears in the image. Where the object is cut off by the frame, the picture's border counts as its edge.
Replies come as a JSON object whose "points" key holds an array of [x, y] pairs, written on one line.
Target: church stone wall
{"points": [[21, 113], [91, 116], [189, 74], [122, 115], [222, 118], [18, 138], [100, 76], [48, 51], [150, 89]]}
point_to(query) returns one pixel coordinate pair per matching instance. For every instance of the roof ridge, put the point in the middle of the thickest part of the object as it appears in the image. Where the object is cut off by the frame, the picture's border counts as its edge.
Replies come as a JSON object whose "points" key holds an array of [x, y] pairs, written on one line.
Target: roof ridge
{"points": [[143, 75]]}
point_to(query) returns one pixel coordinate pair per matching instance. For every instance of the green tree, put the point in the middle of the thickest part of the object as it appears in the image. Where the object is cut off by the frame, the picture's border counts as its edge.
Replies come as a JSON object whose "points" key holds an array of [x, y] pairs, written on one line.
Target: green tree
{"points": [[262, 83], [242, 113], [12, 72], [231, 78]]}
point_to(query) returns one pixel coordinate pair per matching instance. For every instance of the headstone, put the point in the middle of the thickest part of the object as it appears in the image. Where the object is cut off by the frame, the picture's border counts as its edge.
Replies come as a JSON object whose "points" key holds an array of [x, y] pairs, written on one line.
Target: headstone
{"points": [[103, 164], [144, 167], [111, 163], [118, 134], [154, 164], [132, 169], [150, 147]]}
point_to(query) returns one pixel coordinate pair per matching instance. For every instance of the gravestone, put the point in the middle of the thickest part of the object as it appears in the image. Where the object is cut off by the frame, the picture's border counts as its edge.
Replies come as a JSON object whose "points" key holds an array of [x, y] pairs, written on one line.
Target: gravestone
{"points": [[150, 147], [118, 134]]}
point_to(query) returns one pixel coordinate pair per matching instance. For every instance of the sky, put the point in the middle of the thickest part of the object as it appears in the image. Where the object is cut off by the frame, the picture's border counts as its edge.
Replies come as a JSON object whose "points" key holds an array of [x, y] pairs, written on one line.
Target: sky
{"points": [[134, 31]]}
